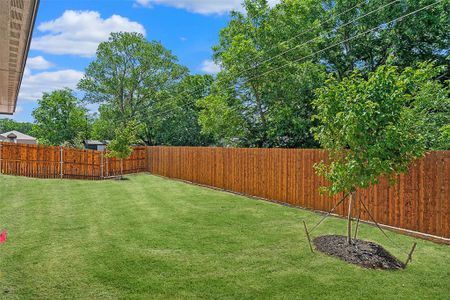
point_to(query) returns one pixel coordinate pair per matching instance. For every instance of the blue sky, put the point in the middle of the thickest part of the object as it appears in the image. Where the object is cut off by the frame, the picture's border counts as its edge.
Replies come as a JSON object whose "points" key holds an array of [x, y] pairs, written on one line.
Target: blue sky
{"points": [[67, 33]]}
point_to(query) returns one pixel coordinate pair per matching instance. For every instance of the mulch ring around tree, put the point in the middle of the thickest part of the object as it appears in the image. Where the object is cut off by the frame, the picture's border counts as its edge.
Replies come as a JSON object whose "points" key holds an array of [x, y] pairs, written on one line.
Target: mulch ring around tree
{"points": [[362, 253]]}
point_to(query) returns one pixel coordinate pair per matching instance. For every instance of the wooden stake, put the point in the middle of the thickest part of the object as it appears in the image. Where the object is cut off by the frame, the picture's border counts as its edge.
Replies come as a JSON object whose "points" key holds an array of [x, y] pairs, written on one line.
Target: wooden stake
{"points": [[349, 219], [356, 229], [357, 224], [309, 238], [410, 254], [329, 213]]}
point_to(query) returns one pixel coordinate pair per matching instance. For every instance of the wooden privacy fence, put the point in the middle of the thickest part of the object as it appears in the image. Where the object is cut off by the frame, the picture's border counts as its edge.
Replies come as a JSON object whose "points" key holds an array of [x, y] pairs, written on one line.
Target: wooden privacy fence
{"points": [[59, 162], [420, 201]]}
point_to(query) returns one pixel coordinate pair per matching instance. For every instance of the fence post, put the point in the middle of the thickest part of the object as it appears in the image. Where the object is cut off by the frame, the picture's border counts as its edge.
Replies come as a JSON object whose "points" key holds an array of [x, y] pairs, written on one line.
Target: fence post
{"points": [[148, 158], [1, 149], [101, 166], [61, 162]]}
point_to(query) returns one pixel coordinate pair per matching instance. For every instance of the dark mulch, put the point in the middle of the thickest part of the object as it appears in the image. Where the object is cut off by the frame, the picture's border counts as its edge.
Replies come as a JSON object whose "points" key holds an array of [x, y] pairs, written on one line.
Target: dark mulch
{"points": [[363, 253]]}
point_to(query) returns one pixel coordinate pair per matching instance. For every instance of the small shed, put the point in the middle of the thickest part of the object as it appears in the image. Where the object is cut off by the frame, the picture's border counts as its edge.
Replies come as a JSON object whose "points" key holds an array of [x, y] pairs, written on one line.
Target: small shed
{"points": [[18, 138], [95, 145]]}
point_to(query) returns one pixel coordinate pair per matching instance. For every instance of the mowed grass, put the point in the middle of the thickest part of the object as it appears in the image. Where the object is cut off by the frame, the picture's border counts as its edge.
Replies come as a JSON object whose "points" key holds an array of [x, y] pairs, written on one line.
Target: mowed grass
{"points": [[154, 238]]}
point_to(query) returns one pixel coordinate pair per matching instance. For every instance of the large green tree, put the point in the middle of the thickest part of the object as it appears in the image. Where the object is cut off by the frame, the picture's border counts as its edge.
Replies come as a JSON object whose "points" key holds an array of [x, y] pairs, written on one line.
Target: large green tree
{"points": [[376, 126], [269, 110], [128, 79], [273, 59], [60, 119]]}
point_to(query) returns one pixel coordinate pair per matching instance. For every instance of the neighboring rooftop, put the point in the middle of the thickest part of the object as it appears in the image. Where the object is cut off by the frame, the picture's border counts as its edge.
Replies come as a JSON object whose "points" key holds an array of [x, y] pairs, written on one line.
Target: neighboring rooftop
{"points": [[16, 135], [16, 26], [94, 142]]}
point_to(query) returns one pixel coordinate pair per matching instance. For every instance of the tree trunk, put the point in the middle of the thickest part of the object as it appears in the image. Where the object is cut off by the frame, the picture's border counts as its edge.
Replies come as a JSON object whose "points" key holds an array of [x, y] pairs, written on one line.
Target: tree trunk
{"points": [[349, 219], [121, 168]]}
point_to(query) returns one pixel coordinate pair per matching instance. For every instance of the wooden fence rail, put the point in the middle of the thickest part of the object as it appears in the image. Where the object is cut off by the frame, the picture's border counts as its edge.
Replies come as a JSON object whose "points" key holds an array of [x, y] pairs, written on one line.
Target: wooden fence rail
{"points": [[58, 162], [420, 201]]}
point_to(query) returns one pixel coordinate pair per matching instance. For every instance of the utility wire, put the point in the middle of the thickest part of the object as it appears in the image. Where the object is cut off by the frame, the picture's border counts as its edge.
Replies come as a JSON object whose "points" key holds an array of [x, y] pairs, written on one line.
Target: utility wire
{"points": [[307, 42], [327, 48], [320, 24], [344, 41], [320, 51], [322, 34]]}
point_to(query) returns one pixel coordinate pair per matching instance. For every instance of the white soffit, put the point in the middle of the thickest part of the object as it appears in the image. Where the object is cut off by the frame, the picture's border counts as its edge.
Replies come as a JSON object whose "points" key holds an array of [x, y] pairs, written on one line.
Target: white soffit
{"points": [[16, 26]]}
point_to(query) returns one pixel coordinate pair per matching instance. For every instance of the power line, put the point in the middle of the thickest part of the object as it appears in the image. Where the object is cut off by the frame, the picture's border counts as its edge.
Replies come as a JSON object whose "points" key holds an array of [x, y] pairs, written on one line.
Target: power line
{"points": [[324, 34], [307, 42], [320, 24], [329, 47], [347, 40]]}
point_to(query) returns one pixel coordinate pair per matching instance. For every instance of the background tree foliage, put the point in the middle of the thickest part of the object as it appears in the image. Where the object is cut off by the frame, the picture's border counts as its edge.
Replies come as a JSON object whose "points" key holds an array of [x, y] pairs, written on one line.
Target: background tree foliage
{"points": [[273, 59], [174, 120], [273, 110], [419, 37], [7, 124], [59, 119], [127, 79]]}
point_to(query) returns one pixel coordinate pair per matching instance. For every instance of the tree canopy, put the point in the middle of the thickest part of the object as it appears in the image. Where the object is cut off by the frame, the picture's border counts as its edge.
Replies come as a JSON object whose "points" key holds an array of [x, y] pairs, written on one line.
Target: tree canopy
{"points": [[174, 120], [273, 59], [376, 126], [128, 77], [7, 124], [59, 119], [124, 138]]}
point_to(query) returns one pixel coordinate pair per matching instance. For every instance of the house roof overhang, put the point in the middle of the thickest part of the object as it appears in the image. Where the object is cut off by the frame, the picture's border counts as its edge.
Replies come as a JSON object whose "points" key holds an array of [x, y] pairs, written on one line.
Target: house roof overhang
{"points": [[17, 19]]}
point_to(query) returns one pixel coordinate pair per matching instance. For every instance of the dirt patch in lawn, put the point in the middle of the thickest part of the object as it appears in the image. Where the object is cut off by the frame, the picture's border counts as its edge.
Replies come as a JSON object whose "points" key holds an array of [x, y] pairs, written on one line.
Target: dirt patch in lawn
{"points": [[363, 253]]}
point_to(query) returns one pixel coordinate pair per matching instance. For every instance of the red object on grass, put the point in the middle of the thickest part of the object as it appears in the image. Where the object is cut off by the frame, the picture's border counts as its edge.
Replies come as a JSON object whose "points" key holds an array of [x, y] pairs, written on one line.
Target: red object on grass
{"points": [[3, 236]]}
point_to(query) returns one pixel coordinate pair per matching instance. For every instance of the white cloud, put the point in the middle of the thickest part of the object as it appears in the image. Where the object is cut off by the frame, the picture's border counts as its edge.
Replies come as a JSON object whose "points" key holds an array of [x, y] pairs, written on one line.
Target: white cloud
{"points": [[34, 85], [38, 63], [205, 7], [210, 67], [145, 3], [80, 32]]}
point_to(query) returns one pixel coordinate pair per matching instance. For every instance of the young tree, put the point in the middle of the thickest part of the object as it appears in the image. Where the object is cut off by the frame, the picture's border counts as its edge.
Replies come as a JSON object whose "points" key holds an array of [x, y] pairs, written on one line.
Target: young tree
{"points": [[120, 147], [59, 119], [128, 76], [374, 127]]}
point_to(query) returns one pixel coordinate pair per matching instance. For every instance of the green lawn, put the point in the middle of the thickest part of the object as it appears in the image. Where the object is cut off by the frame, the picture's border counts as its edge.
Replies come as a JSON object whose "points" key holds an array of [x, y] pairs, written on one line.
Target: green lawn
{"points": [[153, 238]]}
